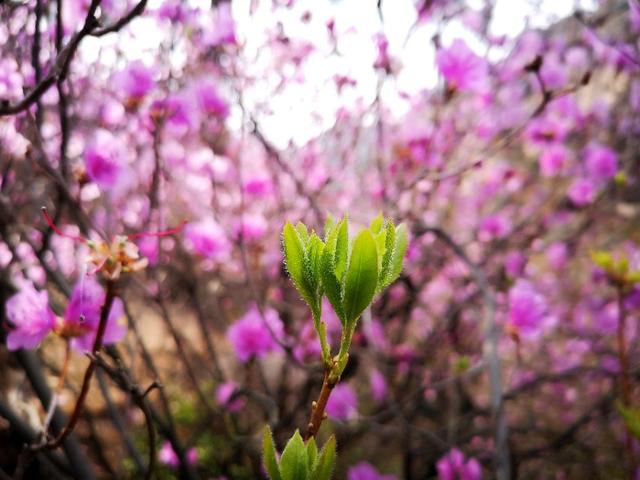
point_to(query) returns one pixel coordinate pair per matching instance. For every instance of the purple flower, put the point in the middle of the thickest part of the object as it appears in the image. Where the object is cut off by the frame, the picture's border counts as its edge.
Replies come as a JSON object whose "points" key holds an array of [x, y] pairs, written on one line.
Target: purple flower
{"points": [[223, 30], [82, 316], [258, 186], [210, 100], [494, 227], [527, 309], [463, 69], [135, 81], [252, 336], [343, 403], [454, 467], [553, 160], [378, 385], [225, 397], [30, 316], [582, 192], [207, 239], [168, 456], [251, 227], [102, 160], [601, 161], [366, 471]]}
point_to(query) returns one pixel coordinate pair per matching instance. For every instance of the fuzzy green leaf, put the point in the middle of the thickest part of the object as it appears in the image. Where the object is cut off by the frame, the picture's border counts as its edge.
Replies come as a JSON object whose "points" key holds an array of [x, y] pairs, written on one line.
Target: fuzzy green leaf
{"points": [[329, 225], [341, 250], [376, 224], [326, 461], [331, 286], [301, 228], [399, 251], [312, 453], [362, 276], [294, 255], [269, 455], [385, 263], [293, 463]]}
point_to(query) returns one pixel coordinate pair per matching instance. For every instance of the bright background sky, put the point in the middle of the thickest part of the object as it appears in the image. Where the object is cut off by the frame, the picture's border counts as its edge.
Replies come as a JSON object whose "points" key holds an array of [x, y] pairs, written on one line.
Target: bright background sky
{"points": [[306, 108]]}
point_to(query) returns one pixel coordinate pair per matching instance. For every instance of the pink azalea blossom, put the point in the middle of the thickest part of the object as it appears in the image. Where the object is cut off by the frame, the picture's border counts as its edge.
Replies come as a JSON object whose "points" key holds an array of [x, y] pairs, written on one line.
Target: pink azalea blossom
{"points": [[343, 403], [453, 466], [252, 336], [135, 81], [553, 160], [463, 69], [251, 228], [225, 397], [601, 161], [30, 317], [258, 186], [103, 161], [527, 309], [168, 456], [82, 316], [366, 471], [210, 101], [378, 385], [582, 192], [223, 29], [494, 227], [207, 239]]}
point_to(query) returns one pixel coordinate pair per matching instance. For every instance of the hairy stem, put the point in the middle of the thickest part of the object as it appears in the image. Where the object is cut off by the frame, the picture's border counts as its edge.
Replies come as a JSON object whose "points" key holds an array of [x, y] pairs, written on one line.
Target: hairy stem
{"points": [[317, 410]]}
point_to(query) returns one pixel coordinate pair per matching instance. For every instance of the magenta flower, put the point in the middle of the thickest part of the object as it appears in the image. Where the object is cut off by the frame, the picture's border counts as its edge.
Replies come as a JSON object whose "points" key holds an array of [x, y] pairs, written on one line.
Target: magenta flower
{"points": [[582, 192], [207, 239], [135, 81], [553, 160], [258, 186], [545, 131], [223, 30], [454, 467], [224, 396], [102, 160], [494, 227], [210, 100], [343, 403], [251, 228], [527, 309], [30, 317], [378, 385], [169, 457], [463, 69], [252, 336], [366, 471], [601, 161], [82, 316]]}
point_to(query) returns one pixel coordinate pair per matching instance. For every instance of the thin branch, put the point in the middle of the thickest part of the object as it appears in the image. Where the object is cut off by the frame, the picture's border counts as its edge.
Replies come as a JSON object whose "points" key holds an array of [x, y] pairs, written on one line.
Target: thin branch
{"points": [[133, 13], [60, 68]]}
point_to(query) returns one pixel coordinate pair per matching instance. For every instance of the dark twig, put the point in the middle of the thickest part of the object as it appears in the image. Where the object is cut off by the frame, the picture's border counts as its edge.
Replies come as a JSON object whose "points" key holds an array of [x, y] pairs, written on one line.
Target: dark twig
{"points": [[133, 13]]}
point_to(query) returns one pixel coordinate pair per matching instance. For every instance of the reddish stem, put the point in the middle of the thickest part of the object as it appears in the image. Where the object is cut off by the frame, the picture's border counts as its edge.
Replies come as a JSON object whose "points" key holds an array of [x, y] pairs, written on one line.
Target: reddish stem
{"points": [[317, 410]]}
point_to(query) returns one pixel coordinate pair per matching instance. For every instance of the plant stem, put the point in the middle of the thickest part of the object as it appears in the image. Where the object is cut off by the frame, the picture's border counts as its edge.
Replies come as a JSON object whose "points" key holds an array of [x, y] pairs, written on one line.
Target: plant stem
{"points": [[625, 383], [88, 374], [317, 410]]}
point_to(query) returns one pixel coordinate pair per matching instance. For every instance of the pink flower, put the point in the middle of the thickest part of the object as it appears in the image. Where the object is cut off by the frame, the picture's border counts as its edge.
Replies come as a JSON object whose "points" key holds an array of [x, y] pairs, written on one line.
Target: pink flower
{"points": [[207, 239], [135, 81], [223, 30], [343, 403], [258, 186], [30, 316], [82, 316], [168, 456], [582, 192], [366, 471], [454, 467], [494, 227], [378, 385], [462, 68], [382, 61], [102, 160], [545, 131], [252, 336], [210, 100], [601, 161], [225, 397], [251, 227], [553, 160], [527, 309]]}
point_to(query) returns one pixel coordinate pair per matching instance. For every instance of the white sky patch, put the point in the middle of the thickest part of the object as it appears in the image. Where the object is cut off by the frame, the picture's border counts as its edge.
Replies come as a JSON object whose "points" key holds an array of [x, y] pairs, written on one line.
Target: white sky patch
{"points": [[303, 109]]}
